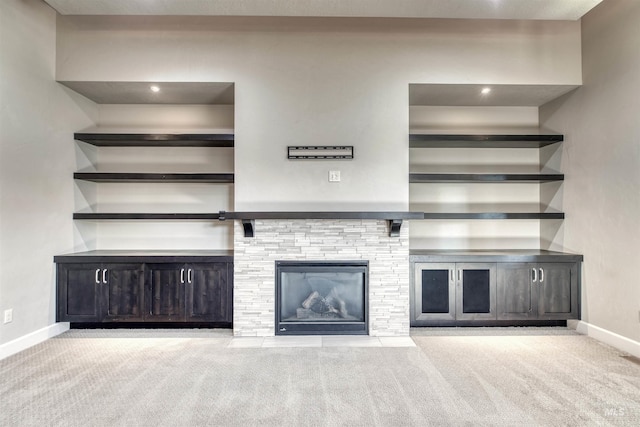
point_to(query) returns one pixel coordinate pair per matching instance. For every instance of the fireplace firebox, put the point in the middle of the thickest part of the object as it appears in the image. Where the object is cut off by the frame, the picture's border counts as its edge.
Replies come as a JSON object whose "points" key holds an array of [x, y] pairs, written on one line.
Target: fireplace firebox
{"points": [[321, 297]]}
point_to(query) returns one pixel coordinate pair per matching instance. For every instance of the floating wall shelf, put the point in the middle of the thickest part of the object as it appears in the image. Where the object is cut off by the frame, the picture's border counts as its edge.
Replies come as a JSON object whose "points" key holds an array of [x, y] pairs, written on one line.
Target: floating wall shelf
{"points": [[394, 219], [157, 139], [494, 215], [146, 216], [154, 177], [529, 138], [452, 140], [323, 215], [471, 177], [248, 218]]}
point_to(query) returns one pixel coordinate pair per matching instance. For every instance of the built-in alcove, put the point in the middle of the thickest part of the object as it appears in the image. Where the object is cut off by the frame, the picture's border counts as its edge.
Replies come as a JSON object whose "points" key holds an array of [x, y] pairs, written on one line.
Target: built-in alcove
{"points": [[481, 169], [156, 166], [489, 181]]}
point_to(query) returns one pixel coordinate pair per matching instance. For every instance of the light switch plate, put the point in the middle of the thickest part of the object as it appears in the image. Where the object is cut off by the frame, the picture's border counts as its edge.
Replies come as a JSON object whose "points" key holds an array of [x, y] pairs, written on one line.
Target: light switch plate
{"points": [[334, 176]]}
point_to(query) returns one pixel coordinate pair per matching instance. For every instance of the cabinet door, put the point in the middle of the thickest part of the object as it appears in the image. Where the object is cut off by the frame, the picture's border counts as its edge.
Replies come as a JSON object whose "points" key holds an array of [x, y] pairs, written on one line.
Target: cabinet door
{"points": [[209, 293], [123, 292], [434, 292], [78, 293], [558, 291], [476, 291], [517, 296], [165, 285]]}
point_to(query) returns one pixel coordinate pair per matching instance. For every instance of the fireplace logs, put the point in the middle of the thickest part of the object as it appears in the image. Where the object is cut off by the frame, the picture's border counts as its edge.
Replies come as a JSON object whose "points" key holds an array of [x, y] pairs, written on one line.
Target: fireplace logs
{"points": [[318, 306]]}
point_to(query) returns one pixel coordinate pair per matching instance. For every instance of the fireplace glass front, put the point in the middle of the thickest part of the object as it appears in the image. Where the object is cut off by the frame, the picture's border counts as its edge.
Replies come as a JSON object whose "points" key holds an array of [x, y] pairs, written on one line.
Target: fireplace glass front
{"points": [[321, 298]]}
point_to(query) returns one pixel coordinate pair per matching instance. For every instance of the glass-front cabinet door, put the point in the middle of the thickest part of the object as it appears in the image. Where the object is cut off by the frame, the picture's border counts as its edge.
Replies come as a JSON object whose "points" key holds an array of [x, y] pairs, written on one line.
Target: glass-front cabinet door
{"points": [[475, 291], [434, 292], [448, 292]]}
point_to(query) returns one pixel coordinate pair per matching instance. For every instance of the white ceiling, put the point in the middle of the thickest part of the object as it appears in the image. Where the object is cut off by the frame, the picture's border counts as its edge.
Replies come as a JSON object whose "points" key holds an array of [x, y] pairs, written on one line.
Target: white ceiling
{"points": [[223, 93], [471, 96], [465, 9], [169, 92]]}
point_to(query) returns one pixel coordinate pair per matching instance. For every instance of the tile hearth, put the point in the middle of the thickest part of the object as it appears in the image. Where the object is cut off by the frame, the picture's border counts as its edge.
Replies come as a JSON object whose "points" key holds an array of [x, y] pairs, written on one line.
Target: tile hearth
{"points": [[320, 341]]}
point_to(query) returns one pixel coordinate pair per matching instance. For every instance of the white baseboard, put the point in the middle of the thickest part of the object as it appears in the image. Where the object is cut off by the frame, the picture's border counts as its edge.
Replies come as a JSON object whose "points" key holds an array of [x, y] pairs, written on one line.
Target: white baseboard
{"points": [[29, 340], [618, 341]]}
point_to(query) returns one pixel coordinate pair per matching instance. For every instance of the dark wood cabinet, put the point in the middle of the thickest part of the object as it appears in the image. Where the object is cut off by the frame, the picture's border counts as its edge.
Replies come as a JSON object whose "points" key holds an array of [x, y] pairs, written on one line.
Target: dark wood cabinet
{"points": [[476, 291], [78, 293], [454, 291], [558, 291], [147, 289], [545, 291], [517, 296], [105, 292], [122, 292], [434, 292], [494, 287], [197, 292], [166, 284], [209, 294]]}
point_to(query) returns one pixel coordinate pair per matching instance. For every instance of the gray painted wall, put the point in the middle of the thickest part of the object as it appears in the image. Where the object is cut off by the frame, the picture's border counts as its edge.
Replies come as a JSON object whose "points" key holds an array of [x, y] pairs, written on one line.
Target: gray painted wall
{"points": [[309, 81], [37, 160], [340, 81], [601, 159], [298, 81]]}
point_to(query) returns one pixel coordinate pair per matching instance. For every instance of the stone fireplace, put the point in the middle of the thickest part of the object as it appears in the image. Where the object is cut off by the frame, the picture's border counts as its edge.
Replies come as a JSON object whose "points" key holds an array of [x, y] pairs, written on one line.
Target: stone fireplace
{"points": [[332, 241]]}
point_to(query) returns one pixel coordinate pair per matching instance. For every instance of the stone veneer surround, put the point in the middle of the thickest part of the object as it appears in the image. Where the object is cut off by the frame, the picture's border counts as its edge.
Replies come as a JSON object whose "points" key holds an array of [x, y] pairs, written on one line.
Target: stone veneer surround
{"points": [[318, 240]]}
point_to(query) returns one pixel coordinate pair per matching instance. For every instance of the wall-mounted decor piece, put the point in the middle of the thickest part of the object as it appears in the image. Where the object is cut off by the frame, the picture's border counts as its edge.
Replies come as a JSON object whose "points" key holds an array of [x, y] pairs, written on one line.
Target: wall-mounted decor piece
{"points": [[322, 152]]}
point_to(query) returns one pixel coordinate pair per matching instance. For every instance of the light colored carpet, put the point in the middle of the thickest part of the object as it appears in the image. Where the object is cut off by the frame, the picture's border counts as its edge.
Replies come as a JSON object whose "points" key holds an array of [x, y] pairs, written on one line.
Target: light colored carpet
{"points": [[471, 376]]}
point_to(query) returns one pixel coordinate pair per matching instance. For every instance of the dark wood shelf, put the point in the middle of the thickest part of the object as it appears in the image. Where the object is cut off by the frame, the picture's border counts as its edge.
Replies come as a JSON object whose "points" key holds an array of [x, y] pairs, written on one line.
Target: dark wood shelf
{"points": [[147, 216], [154, 177], [157, 139], [323, 215], [247, 216], [223, 215], [394, 219], [494, 215], [471, 177], [482, 140]]}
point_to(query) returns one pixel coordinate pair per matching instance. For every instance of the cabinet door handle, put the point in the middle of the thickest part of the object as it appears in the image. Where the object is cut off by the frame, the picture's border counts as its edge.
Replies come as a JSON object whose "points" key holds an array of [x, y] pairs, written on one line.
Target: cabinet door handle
{"points": [[460, 275], [189, 275], [535, 275], [541, 275], [104, 276], [97, 273], [182, 275]]}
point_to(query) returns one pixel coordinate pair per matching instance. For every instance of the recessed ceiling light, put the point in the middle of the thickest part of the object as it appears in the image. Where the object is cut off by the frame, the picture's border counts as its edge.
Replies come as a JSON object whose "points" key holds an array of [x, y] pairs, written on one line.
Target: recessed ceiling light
{"points": [[154, 88], [485, 90]]}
